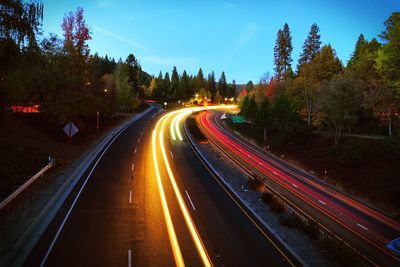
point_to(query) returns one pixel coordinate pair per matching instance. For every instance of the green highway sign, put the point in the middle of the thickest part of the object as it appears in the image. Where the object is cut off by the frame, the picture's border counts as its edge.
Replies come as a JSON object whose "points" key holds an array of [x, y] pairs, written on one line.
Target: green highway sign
{"points": [[237, 119]]}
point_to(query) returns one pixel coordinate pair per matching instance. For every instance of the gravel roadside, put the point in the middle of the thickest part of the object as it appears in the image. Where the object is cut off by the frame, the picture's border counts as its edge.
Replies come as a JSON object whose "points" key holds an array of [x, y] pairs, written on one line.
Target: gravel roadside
{"points": [[307, 249]]}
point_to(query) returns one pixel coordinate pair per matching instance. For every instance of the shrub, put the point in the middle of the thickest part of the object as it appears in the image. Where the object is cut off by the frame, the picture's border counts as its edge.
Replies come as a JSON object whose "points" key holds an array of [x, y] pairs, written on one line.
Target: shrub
{"points": [[255, 183], [289, 220], [311, 228], [267, 197], [277, 205]]}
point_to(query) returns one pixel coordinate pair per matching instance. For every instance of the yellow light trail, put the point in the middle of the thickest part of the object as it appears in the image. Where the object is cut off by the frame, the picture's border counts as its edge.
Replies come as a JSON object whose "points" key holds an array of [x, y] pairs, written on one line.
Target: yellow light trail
{"points": [[172, 128], [177, 121], [188, 219], [167, 216]]}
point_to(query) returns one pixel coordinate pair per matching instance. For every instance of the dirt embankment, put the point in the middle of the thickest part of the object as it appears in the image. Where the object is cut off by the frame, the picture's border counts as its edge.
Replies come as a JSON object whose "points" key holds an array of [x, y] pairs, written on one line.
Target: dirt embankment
{"points": [[27, 141]]}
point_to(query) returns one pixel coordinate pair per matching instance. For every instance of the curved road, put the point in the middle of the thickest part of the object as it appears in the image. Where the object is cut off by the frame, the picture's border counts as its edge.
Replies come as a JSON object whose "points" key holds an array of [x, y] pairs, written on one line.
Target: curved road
{"points": [[115, 216], [364, 228]]}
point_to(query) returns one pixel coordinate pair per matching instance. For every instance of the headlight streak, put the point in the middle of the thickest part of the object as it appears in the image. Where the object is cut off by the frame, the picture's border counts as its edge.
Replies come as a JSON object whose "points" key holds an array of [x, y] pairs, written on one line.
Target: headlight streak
{"points": [[171, 128], [179, 114], [167, 216], [174, 126], [189, 222]]}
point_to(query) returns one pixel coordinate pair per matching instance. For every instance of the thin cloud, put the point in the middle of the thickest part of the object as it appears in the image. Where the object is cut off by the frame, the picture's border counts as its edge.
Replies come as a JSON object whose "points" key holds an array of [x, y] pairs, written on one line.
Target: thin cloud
{"points": [[171, 61], [120, 38], [245, 36]]}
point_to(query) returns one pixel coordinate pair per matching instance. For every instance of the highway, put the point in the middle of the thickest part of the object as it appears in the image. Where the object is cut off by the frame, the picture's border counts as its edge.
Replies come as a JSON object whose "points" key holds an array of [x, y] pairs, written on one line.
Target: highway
{"points": [[366, 229], [116, 219], [148, 201]]}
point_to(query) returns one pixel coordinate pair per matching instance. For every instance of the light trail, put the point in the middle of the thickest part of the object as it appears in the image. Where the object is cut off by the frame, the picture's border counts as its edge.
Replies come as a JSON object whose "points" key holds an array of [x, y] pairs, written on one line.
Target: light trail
{"points": [[306, 190], [158, 132], [188, 219], [171, 129], [167, 216]]}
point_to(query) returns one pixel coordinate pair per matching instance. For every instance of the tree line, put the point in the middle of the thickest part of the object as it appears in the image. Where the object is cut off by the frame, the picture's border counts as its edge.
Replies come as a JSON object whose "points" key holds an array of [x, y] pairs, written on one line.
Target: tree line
{"points": [[71, 84], [323, 93], [184, 87]]}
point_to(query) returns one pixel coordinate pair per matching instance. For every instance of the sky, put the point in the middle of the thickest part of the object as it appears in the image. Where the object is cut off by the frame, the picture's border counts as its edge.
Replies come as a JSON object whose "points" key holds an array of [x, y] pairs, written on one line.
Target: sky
{"points": [[237, 37]]}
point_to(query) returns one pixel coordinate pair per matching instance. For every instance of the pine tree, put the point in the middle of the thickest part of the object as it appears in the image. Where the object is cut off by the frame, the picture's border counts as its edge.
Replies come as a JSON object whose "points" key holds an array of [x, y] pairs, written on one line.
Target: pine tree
{"points": [[326, 64], [234, 87], [282, 52], [388, 60], [174, 86], [287, 48], [211, 87], [277, 55], [166, 85], [132, 63], [311, 46], [200, 82], [360, 49], [222, 86], [158, 90], [184, 88]]}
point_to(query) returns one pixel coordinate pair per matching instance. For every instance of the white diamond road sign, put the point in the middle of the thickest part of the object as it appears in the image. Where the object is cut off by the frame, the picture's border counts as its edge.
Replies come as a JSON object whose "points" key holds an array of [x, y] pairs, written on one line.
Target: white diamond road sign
{"points": [[70, 129]]}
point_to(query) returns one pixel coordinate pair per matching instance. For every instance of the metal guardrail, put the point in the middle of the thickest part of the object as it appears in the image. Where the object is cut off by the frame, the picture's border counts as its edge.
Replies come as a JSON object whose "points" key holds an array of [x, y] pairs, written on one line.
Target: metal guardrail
{"points": [[14, 194]]}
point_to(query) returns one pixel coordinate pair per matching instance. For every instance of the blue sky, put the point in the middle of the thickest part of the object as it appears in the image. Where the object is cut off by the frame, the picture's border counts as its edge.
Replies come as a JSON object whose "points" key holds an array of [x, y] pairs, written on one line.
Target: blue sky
{"points": [[232, 36]]}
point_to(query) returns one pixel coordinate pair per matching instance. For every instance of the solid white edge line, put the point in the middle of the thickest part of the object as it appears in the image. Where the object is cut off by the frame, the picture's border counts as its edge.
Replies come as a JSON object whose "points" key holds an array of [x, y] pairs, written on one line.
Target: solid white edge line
{"points": [[172, 155], [190, 200], [79, 193], [53, 242]]}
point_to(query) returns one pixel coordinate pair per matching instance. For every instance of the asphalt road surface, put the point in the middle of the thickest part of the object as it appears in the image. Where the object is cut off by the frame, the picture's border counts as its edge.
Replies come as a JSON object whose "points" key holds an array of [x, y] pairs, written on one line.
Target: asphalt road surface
{"points": [[366, 229], [114, 216]]}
